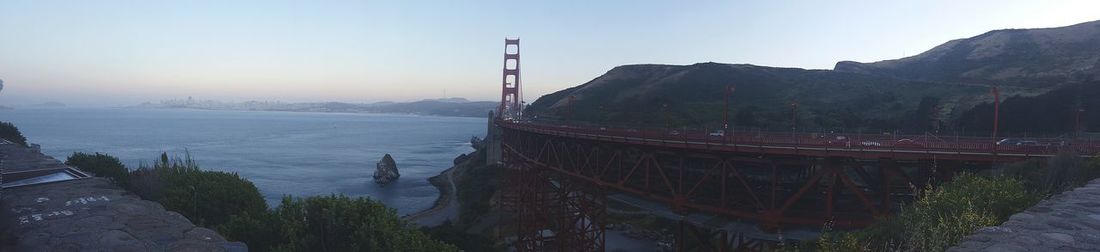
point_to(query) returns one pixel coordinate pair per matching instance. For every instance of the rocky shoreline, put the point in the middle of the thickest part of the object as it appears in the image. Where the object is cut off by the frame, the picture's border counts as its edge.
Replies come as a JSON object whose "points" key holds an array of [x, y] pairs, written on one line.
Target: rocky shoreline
{"points": [[448, 189], [443, 184]]}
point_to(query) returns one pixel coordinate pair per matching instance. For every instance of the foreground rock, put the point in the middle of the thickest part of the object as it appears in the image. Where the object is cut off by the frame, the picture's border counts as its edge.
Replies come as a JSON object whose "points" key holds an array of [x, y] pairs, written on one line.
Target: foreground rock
{"points": [[386, 170], [90, 214], [93, 214]]}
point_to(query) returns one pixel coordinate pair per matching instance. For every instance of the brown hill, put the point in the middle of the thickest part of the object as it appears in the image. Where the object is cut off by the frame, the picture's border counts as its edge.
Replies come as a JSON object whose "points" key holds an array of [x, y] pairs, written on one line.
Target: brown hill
{"points": [[1020, 57]]}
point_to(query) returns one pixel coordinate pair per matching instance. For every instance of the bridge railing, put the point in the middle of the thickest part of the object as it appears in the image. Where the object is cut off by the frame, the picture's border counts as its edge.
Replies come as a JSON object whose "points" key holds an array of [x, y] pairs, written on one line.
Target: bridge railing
{"points": [[829, 140]]}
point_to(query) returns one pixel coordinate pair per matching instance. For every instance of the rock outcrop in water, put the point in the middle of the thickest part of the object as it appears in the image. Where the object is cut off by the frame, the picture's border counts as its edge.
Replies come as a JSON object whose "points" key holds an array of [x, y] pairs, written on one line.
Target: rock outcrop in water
{"points": [[386, 170], [476, 142]]}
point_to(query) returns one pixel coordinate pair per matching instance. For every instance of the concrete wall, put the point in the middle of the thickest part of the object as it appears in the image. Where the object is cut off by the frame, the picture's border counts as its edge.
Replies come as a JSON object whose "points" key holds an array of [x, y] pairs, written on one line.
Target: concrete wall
{"points": [[492, 142]]}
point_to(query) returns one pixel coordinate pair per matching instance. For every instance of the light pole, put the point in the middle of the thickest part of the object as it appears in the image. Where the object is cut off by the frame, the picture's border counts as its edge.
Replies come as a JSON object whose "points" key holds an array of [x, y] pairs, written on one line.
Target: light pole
{"points": [[726, 111], [664, 110], [794, 117], [996, 111], [569, 113], [1077, 123], [602, 114]]}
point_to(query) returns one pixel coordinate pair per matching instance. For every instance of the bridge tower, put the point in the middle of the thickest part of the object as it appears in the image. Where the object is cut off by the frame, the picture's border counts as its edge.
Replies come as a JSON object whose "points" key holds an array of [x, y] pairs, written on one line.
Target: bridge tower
{"points": [[546, 210], [511, 100]]}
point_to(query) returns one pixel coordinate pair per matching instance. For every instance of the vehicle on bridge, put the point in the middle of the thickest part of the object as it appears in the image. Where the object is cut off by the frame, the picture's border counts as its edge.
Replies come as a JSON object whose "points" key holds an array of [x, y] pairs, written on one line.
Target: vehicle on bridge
{"points": [[1009, 141], [870, 144], [906, 142]]}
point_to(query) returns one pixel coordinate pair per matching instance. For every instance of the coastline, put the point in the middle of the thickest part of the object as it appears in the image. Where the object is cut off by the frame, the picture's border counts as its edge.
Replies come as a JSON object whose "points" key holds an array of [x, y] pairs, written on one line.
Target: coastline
{"points": [[444, 183]]}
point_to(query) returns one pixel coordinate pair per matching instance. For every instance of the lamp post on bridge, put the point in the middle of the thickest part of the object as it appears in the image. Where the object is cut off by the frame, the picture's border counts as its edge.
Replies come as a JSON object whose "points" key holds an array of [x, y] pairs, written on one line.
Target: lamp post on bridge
{"points": [[726, 111], [602, 114], [996, 111], [569, 113], [664, 110], [794, 117], [1077, 123]]}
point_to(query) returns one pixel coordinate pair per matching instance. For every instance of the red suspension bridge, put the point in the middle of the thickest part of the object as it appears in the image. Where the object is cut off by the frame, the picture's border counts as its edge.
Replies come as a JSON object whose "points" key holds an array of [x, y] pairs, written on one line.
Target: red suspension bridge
{"points": [[559, 176]]}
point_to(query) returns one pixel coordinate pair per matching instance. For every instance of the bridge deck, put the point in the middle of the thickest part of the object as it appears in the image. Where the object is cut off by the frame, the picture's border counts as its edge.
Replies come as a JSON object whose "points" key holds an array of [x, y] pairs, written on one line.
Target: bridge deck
{"points": [[868, 146]]}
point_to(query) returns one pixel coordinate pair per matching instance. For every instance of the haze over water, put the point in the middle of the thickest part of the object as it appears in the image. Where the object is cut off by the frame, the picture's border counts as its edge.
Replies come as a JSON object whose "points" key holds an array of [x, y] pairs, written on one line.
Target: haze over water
{"points": [[283, 153]]}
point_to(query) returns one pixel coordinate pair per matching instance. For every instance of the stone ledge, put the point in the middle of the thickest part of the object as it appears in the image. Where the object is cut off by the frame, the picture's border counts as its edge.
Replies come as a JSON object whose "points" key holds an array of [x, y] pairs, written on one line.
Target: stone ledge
{"points": [[93, 214]]}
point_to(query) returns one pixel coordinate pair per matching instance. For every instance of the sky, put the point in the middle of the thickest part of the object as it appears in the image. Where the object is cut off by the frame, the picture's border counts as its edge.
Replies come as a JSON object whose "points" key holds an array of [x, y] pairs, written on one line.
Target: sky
{"points": [[118, 52]]}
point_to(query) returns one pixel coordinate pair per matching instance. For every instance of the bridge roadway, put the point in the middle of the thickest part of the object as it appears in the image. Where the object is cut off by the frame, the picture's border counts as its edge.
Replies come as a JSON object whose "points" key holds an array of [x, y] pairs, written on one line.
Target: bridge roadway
{"points": [[853, 145]]}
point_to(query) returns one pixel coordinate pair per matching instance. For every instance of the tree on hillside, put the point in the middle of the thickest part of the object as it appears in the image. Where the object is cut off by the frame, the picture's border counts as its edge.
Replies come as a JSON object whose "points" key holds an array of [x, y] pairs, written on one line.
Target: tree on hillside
{"points": [[11, 133]]}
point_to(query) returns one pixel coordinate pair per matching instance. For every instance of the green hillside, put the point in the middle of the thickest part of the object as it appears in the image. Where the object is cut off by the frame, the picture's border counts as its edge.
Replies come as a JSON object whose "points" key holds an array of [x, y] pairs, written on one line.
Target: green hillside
{"points": [[1044, 77], [639, 94]]}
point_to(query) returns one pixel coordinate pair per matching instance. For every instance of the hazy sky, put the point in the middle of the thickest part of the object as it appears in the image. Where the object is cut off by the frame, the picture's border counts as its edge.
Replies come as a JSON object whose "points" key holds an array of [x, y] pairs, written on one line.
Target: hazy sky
{"points": [[125, 52]]}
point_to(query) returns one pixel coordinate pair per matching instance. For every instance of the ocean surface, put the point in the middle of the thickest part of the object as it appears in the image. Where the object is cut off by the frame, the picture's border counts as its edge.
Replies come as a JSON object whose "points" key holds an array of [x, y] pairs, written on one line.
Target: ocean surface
{"points": [[283, 153]]}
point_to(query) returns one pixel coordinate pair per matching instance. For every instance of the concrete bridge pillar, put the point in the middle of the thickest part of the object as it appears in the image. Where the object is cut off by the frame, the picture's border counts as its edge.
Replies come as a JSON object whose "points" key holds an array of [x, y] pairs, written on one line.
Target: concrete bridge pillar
{"points": [[492, 141]]}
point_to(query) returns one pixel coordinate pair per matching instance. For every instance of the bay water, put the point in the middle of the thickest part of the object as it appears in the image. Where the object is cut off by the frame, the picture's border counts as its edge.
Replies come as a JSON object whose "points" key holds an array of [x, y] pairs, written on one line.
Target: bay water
{"points": [[283, 153]]}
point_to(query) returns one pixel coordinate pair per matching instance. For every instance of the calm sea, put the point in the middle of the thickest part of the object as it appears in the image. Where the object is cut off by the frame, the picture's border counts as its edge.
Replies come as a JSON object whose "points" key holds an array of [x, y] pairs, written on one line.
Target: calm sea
{"points": [[283, 153]]}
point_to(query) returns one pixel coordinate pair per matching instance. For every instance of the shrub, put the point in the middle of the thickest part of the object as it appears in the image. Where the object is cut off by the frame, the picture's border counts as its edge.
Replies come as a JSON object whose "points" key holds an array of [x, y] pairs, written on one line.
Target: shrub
{"points": [[101, 165], [234, 207], [937, 231], [330, 223], [942, 217], [261, 231], [11, 133], [451, 234], [947, 214], [207, 198], [1065, 171], [476, 186]]}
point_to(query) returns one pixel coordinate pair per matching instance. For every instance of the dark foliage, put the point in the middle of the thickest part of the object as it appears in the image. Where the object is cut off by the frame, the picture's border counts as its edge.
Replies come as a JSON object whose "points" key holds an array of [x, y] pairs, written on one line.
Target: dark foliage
{"points": [[1052, 112], [330, 223], [478, 184], [451, 234], [102, 165], [261, 231], [11, 133], [940, 218], [234, 207], [207, 198], [1063, 172]]}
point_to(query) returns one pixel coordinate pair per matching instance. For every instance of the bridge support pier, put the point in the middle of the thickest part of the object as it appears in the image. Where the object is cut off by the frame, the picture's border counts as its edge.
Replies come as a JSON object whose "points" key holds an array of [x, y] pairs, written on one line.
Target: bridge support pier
{"points": [[552, 212], [559, 175]]}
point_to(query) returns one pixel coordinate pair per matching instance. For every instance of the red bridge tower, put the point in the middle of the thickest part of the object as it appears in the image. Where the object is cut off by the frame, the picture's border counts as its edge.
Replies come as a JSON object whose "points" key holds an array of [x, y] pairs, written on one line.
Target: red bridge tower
{"points": [[511, 100]]}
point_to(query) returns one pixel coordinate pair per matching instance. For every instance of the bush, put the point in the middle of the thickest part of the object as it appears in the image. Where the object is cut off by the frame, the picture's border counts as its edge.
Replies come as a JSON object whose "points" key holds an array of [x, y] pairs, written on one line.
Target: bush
{"points": [[476, 186], [234, 207], [11, 133], [1065, 171], [451, 234], [208, 198], [261, 231], [101, 165], [330, 223], [941, 217]]}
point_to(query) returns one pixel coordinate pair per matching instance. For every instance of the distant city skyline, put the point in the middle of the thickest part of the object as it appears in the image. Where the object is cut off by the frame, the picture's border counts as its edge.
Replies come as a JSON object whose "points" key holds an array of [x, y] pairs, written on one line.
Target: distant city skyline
{"points": [[112, 53]]}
